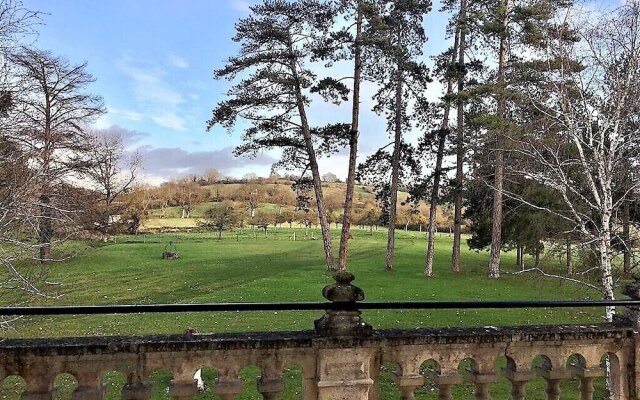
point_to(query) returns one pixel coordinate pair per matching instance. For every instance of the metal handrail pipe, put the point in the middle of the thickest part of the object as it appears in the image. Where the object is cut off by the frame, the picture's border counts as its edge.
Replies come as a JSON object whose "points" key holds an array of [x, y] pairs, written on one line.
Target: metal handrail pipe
{"points": [[308, 306]]}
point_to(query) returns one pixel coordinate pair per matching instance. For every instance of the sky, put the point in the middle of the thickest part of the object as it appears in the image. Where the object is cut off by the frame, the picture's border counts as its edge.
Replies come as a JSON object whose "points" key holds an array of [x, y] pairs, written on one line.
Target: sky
{"points": [[153, 62]]}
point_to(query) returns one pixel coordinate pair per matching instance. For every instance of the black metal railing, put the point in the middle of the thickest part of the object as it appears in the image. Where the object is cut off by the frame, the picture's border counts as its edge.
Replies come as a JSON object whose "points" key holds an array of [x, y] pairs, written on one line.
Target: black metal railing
{"points": [[309, 306]]}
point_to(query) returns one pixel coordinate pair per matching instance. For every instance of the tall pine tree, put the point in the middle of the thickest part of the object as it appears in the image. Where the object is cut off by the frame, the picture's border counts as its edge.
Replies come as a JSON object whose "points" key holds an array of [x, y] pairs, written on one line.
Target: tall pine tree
{"points": [[277, 41]]}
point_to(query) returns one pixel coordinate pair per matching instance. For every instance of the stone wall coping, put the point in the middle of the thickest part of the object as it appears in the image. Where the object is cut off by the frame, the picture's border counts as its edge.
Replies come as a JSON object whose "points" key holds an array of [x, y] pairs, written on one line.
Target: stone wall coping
{"points": [[309, 339]]}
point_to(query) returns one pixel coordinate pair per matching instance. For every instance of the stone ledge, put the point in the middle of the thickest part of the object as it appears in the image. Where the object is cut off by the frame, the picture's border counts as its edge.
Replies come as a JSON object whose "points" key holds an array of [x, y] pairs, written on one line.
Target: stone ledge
{"points": [[308, 339]]}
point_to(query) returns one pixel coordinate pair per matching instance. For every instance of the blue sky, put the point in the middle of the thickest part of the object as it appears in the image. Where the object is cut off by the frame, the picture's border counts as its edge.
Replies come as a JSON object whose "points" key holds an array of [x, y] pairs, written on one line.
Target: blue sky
{"points": [[153, 62]]}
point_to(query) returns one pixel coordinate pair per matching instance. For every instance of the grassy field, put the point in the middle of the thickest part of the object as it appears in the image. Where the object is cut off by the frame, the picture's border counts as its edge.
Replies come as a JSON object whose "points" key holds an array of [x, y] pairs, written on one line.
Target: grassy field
{"points": [[244, 268]]}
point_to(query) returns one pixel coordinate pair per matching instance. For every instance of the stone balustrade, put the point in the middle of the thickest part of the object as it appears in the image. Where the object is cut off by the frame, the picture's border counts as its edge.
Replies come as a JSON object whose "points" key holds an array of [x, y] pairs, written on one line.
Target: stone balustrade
{"points": [[332, 367], [341, 359]]}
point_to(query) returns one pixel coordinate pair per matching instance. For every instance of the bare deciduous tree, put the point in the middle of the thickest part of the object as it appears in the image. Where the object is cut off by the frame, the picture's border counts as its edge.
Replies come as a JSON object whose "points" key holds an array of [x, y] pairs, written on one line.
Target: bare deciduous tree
{"points": [[48, 120], [111, 172]]}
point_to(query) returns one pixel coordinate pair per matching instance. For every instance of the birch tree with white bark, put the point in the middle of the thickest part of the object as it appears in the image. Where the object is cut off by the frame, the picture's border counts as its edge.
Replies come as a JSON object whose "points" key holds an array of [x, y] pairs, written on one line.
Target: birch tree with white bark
{"points": [[586, 133]]}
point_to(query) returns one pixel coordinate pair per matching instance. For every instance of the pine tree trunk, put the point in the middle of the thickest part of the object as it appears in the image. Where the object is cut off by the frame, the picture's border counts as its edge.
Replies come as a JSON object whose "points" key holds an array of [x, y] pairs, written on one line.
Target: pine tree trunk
{"points": [[457, 218], [313, 165], [442, 138], [353, 146], [496, 228], [395, 171]]}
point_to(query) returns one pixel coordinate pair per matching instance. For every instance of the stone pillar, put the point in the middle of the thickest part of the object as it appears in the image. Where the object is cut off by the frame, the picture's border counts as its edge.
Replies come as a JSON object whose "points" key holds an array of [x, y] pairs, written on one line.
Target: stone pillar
{"points": [[445, 381], [343, 322], [90, 386], [344, 373], [586, 375], [482, 382], [39, 382], [518, 379], [553, 376], [408, 383]]}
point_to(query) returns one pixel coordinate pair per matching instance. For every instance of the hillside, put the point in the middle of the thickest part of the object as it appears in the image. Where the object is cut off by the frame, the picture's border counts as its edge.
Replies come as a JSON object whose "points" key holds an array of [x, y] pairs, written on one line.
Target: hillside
{"points": [[185, 207]]}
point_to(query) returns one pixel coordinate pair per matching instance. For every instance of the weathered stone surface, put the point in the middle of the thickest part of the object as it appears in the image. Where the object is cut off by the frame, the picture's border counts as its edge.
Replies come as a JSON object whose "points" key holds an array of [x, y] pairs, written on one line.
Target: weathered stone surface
{"points": [[344, 367]]}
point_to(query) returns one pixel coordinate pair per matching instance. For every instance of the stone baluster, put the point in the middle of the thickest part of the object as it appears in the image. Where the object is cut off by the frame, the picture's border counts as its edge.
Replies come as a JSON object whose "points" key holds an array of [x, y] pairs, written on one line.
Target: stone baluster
{"points": [[586, 375], [445, 380], [39, 381], [90, 386], [270, 387], [408, 383], [553, 377], [482, 382], [270, 381], [227, 388], [183, 386], [136, 389], [518, 379]]}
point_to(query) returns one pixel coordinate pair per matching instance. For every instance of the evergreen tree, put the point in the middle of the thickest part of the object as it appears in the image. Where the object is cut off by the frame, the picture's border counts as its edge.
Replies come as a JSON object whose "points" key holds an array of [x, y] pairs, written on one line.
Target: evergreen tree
{"points": [[347, 43], [512, 31], [396, 69], [277, 41]]}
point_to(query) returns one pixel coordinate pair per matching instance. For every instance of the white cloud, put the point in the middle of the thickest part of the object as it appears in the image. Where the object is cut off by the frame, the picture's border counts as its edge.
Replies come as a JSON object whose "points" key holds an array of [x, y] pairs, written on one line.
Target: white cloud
{"points": [[149, 86], [178, 61], [155, 97], [102, 122], [170, 120], [126, 114], [163, 163]]}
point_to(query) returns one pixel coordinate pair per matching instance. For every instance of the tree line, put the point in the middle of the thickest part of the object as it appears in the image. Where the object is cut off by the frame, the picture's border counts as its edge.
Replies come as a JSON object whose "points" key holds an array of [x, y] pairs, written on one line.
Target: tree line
{"points": [[255, 201], [538, 108]]}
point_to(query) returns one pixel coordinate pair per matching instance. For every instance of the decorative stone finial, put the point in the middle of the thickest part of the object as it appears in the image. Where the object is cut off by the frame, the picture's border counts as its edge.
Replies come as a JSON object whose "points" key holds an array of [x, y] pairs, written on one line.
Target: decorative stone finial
{"points": [[342, 322], [343, 291]]}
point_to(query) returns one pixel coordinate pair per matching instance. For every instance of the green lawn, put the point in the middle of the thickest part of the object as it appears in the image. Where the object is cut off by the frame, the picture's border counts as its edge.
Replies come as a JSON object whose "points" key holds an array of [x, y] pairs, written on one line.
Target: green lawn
{"points": [[244, 268], [248, 268]]}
